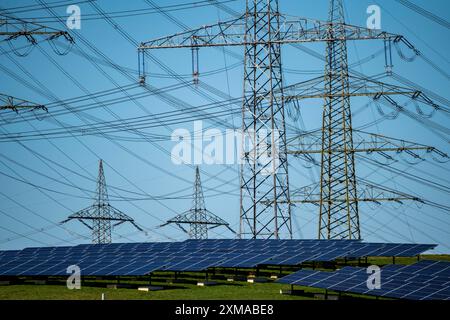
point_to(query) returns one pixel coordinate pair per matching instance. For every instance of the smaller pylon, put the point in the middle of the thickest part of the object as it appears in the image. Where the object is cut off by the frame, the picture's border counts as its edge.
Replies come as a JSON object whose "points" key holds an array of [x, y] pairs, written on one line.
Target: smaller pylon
{"points": [[198, 217], [98, 217]]}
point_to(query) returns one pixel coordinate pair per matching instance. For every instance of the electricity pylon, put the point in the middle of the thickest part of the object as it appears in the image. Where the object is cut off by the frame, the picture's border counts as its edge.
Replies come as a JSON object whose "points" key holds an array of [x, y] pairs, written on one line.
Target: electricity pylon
{"points": [[264, 198], [198, 217], [99, 216], [337, 219], [15, 104], [338, 195], [263, 109]]}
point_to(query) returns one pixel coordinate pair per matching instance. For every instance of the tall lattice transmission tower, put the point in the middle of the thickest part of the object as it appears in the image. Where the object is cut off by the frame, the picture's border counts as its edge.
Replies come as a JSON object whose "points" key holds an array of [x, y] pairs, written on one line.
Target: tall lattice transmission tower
{"points": [[265, 199], [338, 179], [198, 218], [100, 216], [263, 109], [337, 194]]}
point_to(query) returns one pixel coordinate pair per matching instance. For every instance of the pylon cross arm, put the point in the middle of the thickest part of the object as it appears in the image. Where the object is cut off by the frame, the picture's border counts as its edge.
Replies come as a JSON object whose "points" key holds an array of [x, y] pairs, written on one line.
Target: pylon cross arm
{"points": [[13, 28], [291, 30], [110, 213], [367, 192], [358, 86], [190, 217], [365, 142], [8, 102]]}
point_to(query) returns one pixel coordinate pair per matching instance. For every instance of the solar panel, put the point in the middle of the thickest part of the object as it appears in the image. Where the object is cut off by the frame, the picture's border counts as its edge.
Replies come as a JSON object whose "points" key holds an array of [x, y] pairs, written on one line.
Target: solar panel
{"points": [[58, 269], [297, 276]]}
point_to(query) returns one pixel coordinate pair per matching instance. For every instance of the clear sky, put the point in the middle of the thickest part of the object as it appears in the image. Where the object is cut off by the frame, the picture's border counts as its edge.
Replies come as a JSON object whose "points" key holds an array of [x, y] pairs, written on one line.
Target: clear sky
{"points": [[44, 178]]}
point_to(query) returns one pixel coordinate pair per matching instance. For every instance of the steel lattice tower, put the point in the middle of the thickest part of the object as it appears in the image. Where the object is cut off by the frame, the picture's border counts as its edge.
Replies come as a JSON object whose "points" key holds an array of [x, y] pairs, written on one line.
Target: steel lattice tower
{"points": [[101, 214], [263, 122], [101, 231], [338, 194], [198, 230], [264, 186], [198, 217], [338, 219]]}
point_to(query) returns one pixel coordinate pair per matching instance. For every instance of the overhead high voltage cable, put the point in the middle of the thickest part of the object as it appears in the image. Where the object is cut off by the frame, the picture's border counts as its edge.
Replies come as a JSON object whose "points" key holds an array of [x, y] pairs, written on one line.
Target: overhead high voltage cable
{"points": [[114, 14], [425, 13]]}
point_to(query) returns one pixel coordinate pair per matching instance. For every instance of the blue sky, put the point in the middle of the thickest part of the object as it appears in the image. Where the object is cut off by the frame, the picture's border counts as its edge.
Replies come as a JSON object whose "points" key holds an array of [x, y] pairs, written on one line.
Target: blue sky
{"points": [[57, 175]]}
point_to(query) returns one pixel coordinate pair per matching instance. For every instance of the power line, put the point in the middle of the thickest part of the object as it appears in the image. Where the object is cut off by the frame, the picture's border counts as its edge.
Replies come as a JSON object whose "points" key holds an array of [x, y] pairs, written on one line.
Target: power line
{"points": [[425, 13]]}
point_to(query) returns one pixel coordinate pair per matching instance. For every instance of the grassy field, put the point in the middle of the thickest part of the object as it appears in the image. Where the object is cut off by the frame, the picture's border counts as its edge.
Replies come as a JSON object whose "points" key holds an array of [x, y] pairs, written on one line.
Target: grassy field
{"points": [[267, 291], [92, 290]]}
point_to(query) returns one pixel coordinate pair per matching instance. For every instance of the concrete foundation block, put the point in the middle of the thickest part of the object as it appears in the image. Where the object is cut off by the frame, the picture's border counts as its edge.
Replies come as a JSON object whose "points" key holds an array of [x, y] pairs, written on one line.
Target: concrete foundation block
{"points": [[150, 288], [291, 292]]}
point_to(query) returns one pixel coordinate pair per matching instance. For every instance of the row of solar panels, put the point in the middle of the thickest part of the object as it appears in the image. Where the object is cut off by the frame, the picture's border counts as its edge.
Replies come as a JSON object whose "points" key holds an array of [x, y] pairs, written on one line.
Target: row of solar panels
{"points": [[360, 248], [187, 245], [225, 244], [424, 280], [192, 255]]}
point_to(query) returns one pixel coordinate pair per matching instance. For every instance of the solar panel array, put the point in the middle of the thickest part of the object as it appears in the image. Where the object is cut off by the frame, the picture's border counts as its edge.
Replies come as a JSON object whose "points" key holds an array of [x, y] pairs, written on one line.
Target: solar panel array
{"points": [[424, 280], [126, 259]]}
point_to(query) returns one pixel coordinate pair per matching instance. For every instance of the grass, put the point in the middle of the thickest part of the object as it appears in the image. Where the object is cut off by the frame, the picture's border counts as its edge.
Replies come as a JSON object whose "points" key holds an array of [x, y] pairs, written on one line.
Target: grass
{"points": [[385, 260], [261, 291], [93, 289]]}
